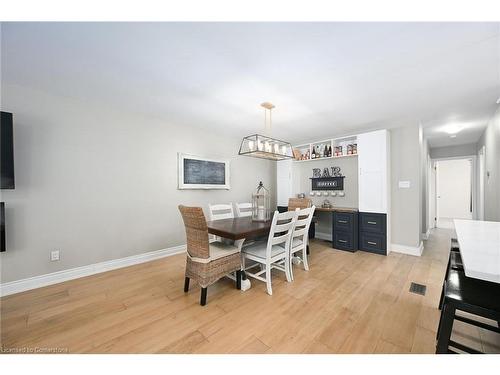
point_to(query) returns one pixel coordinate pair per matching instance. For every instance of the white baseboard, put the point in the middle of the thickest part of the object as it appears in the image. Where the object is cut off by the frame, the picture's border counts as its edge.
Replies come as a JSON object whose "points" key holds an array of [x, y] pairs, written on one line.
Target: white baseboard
{"points": [[409, 250], [426, 235], [323, 236], [18, 286]]}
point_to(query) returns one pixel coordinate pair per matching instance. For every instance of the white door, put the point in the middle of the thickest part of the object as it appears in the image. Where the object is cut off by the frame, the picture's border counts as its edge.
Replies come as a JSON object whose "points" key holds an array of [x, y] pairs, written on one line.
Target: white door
{"points": [[284, 181], [481, 183], [372, 171], [454, 191]]}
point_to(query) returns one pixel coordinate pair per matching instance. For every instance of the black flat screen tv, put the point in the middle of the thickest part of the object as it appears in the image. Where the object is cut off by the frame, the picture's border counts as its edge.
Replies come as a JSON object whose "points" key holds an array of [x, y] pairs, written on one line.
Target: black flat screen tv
{"points": [[6, 151]]}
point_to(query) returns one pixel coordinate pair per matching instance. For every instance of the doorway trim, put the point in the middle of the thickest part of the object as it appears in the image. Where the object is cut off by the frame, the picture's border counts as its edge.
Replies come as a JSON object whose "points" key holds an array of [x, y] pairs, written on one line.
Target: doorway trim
{"points": [[474, 182], [481, 169]]}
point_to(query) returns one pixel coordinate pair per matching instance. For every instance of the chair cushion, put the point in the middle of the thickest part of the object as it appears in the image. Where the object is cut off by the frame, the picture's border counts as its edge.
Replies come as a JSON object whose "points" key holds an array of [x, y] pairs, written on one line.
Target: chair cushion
{"points": [[221, 250], [258, 249], [295, 242]]}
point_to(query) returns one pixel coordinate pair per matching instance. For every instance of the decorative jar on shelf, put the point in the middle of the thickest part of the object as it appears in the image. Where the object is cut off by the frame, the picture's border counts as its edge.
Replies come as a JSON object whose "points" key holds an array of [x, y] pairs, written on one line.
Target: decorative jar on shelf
{"points": [[261, 204]]}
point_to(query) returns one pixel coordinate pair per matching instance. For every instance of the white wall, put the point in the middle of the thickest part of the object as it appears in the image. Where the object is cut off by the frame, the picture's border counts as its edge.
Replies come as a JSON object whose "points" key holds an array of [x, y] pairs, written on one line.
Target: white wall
{"points": [[424, 185], [406, 207], [453, 151], [454, 188], [100, 184], [491, 140]]}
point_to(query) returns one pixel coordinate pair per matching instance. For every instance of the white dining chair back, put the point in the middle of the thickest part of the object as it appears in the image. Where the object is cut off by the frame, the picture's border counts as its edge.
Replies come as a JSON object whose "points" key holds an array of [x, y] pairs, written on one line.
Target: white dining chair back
{"points": [[300, 236], [281, 228], [243, 209], [275, 252], [220, 211]]}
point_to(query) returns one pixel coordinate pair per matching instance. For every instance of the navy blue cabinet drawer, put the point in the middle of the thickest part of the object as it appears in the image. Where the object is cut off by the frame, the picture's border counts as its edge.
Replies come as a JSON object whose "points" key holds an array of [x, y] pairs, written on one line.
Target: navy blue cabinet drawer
{"points": [[343, 241], [374, 243], [343, 221], [345, 231], [373, 223]]}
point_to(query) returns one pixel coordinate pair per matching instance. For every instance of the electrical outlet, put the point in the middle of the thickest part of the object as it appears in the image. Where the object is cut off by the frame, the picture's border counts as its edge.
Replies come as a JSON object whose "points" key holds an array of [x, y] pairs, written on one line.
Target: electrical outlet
{"points": [[404, 184], [54, 255]]}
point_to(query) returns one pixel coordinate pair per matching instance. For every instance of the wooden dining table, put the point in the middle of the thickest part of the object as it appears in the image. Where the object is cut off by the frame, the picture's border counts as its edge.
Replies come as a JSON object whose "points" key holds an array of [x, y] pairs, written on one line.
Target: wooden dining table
{"points": [[239, 229]]}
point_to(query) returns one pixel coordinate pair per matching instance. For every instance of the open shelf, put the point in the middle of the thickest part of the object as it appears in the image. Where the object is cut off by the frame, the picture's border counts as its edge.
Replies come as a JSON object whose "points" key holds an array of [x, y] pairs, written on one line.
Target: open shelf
{"points": [[340, 148], [325, 158]]}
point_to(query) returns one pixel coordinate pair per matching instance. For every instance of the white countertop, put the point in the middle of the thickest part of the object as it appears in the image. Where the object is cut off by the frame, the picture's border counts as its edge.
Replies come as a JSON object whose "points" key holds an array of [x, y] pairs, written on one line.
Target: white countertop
{"points": [[479, 243]]}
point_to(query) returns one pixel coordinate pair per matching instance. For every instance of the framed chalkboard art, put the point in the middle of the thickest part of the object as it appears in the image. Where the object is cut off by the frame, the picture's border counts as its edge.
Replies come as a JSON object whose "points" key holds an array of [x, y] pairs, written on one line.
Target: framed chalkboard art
{"points": [[202, 173]]}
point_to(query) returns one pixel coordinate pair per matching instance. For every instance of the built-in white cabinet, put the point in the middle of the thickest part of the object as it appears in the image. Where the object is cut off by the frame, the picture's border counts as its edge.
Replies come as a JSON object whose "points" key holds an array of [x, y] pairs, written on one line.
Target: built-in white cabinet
{"points": [[284, 181], [373, 152], [373, 171], [373, 149]]}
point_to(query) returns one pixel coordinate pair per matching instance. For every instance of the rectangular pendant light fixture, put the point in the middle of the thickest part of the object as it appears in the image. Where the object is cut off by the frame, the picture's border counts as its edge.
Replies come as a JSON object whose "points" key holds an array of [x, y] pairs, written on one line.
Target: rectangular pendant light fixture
{"points": [[264, 147]]}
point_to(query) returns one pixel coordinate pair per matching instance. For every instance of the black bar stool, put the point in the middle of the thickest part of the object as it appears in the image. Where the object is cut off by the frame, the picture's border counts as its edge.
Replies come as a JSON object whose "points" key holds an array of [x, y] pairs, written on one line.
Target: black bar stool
{"points": [[454, 263], [471, 295]]}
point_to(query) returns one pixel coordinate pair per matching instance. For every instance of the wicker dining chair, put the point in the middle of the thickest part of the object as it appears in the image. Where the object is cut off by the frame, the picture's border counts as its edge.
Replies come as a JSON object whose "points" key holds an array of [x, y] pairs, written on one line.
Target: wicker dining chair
{"points": [[207, 262]]}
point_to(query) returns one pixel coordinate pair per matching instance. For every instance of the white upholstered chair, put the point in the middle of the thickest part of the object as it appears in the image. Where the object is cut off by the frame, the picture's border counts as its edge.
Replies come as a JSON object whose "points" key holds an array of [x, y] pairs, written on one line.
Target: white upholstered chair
{"points": [[300, 236], [243, 209], [273, 253]]}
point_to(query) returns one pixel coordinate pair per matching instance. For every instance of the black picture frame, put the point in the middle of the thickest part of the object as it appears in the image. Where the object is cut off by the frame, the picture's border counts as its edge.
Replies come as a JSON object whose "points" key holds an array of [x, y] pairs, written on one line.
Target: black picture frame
{"points": [[327, 183]]}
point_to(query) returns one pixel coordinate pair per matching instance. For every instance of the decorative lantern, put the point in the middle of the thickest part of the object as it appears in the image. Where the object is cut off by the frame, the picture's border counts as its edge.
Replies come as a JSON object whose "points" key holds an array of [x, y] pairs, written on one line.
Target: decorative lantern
{"points": [[261, 204]]}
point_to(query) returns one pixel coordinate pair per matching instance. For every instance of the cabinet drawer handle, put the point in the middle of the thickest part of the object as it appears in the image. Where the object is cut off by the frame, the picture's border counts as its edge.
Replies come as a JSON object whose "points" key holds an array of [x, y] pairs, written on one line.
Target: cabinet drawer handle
{"points": [[343, 241], [372, 243], [372, 222], [342, 221]]}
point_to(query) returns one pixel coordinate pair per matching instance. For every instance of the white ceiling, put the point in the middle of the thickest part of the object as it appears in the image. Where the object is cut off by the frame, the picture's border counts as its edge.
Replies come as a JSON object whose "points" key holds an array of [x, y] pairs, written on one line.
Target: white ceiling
{"points": [[326, 79]]}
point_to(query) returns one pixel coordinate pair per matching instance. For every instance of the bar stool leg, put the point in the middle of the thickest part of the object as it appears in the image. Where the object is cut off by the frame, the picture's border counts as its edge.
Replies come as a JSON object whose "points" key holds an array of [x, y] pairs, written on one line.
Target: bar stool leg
{"points": [[440, 306], [444, 283], [445, 328], [439, 324]]}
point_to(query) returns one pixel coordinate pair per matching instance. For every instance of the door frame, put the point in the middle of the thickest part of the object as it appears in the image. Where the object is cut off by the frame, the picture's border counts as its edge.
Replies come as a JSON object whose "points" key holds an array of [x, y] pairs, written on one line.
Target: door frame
{"points": [[431, 197], [481, 169], [474, 185]]}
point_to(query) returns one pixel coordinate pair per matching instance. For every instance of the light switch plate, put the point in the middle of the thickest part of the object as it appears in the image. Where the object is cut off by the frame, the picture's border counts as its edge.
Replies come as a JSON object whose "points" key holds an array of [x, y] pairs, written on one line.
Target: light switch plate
{"points": [[404, 184], [54, 255]]}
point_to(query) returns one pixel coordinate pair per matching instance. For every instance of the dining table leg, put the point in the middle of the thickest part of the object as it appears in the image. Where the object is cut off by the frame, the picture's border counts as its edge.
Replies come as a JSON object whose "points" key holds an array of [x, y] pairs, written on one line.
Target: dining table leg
{"points": [[244, 281]]}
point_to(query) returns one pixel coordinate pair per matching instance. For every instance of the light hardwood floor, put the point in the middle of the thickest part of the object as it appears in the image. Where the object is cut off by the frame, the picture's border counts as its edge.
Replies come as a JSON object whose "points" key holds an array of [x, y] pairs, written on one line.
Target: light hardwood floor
{"points": [[346, 303]]}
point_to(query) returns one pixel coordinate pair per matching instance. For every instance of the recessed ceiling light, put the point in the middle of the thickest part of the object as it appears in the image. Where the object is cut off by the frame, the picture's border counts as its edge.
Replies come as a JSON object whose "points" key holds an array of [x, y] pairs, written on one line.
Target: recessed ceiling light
{"points": [[453, 128], [453, 136], [498, 101]]}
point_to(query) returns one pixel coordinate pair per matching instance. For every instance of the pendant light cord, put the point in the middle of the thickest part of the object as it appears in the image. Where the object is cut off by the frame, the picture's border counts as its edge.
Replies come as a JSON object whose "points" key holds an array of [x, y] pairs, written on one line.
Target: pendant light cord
{"points": [[265, 120], [270, 120]]}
